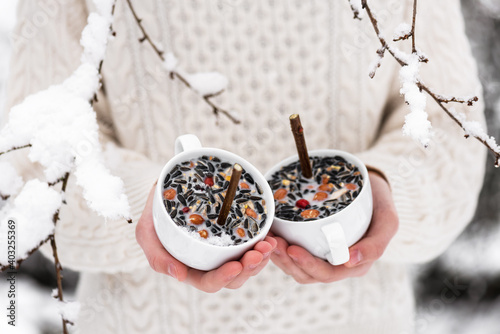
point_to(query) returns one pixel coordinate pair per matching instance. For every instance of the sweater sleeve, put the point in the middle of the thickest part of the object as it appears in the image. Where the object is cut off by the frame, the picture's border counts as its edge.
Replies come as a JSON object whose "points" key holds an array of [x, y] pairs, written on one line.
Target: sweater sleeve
{"points": [[46, 54], [435, 189]]}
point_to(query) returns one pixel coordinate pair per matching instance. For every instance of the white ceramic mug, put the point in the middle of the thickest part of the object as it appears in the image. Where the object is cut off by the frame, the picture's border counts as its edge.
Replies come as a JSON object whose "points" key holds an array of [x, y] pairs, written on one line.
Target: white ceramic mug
{"points": [[329, 238], [193, 252]]}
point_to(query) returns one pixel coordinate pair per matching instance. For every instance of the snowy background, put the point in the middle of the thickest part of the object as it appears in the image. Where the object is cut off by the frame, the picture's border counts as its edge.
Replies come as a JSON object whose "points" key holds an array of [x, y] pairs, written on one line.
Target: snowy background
{"points": [[457, 293], [460, 291]]}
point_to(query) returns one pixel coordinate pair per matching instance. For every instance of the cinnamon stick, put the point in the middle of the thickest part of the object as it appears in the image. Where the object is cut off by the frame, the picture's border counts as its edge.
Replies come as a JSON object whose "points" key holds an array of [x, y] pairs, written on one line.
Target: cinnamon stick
{"points": [[230, 193], [300, 142]]}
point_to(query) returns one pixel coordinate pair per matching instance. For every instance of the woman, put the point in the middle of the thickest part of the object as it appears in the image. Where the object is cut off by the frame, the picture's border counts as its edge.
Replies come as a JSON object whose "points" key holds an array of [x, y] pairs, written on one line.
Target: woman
{"points": [[280, 58]]}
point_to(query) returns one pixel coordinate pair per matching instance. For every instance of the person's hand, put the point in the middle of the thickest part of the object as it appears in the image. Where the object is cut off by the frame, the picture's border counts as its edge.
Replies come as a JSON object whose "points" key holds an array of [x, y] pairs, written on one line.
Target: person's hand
{"points": [[305, 268], [230, 275]]}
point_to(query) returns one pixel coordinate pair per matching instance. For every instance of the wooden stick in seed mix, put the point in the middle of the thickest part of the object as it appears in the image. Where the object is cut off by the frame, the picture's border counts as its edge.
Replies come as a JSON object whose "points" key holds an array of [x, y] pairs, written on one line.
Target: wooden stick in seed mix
{"points": [[300, 142], [230, 193]]}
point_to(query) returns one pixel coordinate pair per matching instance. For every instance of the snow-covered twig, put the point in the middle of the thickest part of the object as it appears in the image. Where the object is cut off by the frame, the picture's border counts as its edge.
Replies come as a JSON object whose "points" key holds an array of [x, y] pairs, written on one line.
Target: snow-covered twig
{"points": [[68, 310], [469, 101], [4, 267], [58, 268], [57, 263], [473, 129], [355, 7], [403, 32], [15, 149], [176, 73], [406, 61], [377, 62], [60, 128]]}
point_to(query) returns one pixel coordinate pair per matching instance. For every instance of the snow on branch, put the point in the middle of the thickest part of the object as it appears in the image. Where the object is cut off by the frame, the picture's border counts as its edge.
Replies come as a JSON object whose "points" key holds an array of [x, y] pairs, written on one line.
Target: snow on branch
{"points": [[356, 8], [402, 32], [205, 84], [377, 62], [33, 212], [59, 125], [10, 182], [416, 123], [59, 128], [69, 311]]}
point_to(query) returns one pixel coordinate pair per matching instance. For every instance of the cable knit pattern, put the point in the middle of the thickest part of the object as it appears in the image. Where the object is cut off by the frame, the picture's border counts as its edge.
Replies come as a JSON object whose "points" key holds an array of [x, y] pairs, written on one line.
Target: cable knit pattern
{"points": [[281, 57]]}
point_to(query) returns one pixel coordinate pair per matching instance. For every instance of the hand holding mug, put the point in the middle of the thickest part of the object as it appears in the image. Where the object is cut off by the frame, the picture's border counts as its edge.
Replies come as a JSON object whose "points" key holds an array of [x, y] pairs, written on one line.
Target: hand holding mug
{"points": [[306, 268], [230, 275], [179, 230]]}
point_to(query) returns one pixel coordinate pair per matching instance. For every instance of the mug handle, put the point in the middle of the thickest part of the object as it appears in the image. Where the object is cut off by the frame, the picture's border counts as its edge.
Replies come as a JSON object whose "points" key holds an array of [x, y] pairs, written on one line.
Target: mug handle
{"points": [[339, 251], [186, 143]]}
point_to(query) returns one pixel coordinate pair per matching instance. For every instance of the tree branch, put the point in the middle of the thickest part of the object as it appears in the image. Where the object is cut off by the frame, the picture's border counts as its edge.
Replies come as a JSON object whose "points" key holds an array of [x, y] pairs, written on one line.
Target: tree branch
{"points": [[440, 100], [469, 101], [57, 264], [18, 262], [15, 149], [413, 21], [145, 35], [355, 11], [382, 40], [59, 276], [174, 74]]}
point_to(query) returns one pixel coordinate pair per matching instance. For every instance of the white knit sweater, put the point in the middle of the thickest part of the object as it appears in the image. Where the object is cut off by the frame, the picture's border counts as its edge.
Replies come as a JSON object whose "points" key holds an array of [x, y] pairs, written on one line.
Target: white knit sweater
{"points": [[281, 57]]}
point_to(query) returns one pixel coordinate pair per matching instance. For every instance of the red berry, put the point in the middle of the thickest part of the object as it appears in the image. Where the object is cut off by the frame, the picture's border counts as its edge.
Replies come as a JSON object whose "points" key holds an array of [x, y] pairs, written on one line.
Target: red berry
{"points": [[302, 203], [185, 209], [209, 181]]}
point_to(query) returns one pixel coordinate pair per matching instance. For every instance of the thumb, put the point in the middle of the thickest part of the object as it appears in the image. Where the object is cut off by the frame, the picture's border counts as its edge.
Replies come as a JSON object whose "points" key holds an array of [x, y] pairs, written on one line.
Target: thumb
{"points": [[383, 226]]}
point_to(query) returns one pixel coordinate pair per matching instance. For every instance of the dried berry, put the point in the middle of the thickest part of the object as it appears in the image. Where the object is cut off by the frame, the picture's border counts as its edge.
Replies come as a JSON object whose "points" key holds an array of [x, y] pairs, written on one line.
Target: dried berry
{"points": [[302, 203], [209, 181], [244, 185]]}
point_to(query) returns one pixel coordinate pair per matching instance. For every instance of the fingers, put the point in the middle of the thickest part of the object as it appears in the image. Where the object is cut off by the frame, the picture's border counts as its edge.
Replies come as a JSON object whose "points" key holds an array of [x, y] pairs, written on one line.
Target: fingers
{"points": [[159, 259], [305, 268], [250, 261], [213, 281], [316, 268], [322, 271], [281, 258], [254, 261], [233, 274], [373, 245]]}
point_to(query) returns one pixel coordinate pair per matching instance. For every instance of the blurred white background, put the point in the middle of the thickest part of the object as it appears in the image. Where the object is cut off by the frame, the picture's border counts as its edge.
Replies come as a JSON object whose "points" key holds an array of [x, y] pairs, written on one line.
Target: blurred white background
{"points": [[36, 309], [7, 20], [471, 265]]}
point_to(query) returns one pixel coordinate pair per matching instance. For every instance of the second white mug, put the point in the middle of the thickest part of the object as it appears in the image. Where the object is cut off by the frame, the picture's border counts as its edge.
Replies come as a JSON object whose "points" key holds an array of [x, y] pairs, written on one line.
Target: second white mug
{"points": [[329, 238]]}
